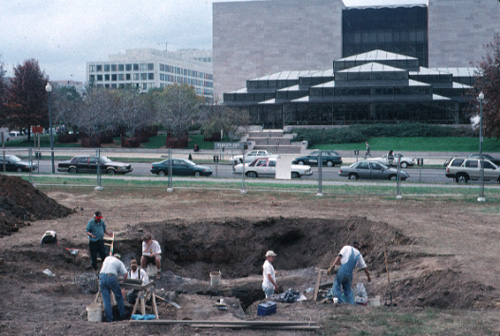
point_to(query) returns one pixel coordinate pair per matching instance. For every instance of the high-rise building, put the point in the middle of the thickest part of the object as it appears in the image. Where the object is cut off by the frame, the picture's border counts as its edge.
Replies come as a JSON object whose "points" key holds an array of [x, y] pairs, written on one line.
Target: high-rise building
{"points": [[145, 69]]}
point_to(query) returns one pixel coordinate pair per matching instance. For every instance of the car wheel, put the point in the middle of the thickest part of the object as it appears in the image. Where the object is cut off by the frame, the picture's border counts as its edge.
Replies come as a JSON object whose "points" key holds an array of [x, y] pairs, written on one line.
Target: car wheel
{"points": [[300, 163], [110, 172], [72, 171], [462, 178], [197, 174], [329, 164], [251, 174], [161, 173], [393, 177], [404, 164], [295, 175], [352, 177], [19, 170]]}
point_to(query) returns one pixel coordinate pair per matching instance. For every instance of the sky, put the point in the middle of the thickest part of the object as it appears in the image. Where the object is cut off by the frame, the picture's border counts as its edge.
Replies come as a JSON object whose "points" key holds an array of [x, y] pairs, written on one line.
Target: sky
{"points": [[62, 35]]}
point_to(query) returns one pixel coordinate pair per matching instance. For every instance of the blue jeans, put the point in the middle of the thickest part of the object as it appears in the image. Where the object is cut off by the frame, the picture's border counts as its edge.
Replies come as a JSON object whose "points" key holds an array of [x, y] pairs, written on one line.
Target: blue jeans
{"points": [[268, 291], [343, 284], [110, 284]]}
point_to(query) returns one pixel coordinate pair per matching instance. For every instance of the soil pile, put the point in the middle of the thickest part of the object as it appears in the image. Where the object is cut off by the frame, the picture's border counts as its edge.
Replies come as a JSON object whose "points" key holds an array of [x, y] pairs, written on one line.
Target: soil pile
{"points": [[21, 202]]}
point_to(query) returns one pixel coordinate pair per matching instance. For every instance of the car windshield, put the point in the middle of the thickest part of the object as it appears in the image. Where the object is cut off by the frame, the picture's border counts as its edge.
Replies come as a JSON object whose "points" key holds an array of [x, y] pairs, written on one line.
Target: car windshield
{"points": [[105, 159], [189, 162], [14, 158]]}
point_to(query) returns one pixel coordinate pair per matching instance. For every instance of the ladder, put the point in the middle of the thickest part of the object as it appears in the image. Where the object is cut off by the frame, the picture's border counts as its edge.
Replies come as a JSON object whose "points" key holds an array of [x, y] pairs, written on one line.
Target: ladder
{"points": [[109, 242]]}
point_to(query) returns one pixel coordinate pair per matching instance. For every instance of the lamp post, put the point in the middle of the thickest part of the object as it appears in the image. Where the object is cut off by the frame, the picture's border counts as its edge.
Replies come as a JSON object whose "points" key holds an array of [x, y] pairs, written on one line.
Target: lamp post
{"points": [[48, 88], [481, 99]]}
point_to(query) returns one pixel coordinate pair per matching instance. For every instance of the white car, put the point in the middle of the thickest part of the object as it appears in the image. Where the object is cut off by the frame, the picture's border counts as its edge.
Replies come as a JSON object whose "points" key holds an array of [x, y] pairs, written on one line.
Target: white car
{"points": [[252, 155], [406, 161], [266, 167]]}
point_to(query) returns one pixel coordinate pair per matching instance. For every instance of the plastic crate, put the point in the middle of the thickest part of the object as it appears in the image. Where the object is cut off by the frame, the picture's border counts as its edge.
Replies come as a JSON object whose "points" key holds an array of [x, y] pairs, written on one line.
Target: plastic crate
{"points": [[266, 308]]}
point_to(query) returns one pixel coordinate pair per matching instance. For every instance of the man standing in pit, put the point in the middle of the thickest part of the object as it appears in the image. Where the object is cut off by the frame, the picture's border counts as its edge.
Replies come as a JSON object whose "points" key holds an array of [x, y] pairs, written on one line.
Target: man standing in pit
{"points": [[269, 282], [96, 228], [151, 252], [349, 258], [108, 282]]}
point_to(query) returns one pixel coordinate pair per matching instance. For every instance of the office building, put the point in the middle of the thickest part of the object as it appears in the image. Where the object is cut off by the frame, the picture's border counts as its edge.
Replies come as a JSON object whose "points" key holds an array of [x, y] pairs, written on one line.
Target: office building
{"points": [[145, 69]]}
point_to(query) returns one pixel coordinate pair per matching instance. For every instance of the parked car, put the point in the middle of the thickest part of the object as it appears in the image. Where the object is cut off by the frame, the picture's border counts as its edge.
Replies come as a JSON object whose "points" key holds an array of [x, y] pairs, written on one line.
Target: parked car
{"points": [[252, 155], [180, 167], [465, 169], [266, 167], [15, 164], [328, 158], [89, 164], [496, 161], [405, 161], [371, 170]]}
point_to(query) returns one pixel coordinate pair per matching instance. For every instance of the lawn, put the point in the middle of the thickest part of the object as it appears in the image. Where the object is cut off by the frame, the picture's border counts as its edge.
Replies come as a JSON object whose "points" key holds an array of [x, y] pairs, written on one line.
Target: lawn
{"points": [[420, 144]]}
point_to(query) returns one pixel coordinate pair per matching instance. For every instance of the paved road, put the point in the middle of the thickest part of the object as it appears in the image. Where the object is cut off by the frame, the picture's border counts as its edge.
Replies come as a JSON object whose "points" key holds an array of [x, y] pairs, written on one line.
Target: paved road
{"points": [[329, 174]]}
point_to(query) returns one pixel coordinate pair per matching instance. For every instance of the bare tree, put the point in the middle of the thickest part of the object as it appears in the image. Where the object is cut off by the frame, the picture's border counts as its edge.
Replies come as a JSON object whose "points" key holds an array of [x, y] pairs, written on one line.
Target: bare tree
{"points": [[178, 107], [134, 110], [96, 114], [221, 117]]}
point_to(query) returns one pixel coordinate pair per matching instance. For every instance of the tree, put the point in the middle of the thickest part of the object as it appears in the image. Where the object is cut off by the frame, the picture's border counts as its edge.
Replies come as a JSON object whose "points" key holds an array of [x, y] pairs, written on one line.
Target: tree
{"points": [[229, 120], [134, 110], [178, 107], [3, 95], [95, 114], [66, 101], [27, 98], [488, 82]]}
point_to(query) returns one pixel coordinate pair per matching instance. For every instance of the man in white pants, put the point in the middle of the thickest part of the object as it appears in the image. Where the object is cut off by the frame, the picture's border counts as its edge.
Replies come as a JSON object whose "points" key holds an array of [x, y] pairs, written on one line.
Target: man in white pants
{"points": [[269, 282]]}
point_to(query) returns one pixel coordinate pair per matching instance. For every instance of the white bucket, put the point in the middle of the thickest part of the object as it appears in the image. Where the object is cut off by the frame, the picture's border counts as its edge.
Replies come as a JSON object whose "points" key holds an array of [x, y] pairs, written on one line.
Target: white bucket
{"points": [[94, 312], [215, 278], [374, 302], [151, 270]]}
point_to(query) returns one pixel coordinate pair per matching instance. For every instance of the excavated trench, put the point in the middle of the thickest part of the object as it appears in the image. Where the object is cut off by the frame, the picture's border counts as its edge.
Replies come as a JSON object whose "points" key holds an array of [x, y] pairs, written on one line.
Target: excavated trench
{"points": [[236, 248]]}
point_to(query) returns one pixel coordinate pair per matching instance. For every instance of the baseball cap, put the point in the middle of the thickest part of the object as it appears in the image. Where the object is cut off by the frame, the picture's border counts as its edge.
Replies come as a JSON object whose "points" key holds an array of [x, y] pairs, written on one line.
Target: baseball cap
{"points": [[270, 254], [118, 255]]}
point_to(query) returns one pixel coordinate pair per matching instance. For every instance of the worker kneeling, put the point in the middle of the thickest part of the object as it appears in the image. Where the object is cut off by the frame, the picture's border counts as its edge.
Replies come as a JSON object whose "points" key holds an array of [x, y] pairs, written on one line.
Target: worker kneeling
{"points": [[349, 258]]}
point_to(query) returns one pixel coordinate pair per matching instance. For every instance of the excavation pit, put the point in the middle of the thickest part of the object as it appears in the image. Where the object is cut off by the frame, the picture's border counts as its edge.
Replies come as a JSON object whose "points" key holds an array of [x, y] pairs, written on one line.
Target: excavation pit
{"points": [[236, 248]]}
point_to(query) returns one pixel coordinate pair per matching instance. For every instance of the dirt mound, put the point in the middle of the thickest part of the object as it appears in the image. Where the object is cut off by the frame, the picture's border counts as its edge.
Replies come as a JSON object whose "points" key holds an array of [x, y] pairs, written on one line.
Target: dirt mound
{"points": [[21, 202]]}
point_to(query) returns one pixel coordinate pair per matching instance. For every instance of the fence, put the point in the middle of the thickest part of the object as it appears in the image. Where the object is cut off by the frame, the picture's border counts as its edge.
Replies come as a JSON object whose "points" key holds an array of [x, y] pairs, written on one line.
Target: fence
{"points": [[324, 181]]}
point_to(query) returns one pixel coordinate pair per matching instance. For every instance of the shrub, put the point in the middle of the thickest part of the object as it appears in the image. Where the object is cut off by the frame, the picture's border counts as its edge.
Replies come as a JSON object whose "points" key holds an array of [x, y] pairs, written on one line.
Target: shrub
{"points": [[361, 133]]}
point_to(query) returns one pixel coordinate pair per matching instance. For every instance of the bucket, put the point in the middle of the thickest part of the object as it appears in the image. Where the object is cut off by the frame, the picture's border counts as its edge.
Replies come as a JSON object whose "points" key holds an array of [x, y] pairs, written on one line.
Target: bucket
{"points": [[215, 278], [94, 312]]}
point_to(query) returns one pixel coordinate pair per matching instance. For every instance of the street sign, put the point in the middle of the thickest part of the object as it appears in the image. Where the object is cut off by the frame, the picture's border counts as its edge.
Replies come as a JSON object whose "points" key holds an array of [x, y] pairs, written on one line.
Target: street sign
{"points": [[36, 129], [229, 145]]}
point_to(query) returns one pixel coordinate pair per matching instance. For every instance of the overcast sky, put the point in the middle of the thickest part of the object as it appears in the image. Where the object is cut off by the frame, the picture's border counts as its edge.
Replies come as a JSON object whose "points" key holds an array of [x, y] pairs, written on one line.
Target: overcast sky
{"points": [[65, 34]]}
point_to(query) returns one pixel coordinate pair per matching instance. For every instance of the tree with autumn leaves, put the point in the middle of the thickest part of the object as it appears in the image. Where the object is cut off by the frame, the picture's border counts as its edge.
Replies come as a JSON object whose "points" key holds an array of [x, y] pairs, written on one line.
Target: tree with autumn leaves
{"points": [[26, 98], [488, 82]]}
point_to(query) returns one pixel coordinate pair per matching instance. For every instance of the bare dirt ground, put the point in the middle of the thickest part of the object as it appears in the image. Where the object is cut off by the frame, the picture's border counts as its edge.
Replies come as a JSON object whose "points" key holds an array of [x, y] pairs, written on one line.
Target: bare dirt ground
{"points": [[442, 260]]}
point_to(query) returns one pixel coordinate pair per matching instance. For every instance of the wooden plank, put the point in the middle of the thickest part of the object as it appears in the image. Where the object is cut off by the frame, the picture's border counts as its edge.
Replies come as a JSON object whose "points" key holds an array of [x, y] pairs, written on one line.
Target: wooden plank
{"points": [[226, 323], [318, 282]]}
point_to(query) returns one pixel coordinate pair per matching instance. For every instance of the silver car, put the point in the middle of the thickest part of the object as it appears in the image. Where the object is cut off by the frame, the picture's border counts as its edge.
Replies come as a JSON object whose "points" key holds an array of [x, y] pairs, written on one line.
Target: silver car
{"points": [[371, 170], [266, 167], [464, 169], [252, 155]]}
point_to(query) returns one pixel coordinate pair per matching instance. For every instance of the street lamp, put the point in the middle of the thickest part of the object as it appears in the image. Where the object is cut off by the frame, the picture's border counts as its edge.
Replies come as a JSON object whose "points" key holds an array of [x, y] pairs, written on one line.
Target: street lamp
{"points": [[481, 99], [48, 88]]}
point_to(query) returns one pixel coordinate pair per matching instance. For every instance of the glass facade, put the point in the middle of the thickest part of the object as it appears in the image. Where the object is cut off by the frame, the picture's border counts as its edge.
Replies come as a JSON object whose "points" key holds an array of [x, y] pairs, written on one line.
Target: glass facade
{"points": [[401, 30], [370, 91]]}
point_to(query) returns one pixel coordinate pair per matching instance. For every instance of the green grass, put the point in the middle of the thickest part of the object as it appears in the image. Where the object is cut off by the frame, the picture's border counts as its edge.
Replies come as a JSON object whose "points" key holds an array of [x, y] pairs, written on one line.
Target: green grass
{"points": [[419, 144], [408, 190]]}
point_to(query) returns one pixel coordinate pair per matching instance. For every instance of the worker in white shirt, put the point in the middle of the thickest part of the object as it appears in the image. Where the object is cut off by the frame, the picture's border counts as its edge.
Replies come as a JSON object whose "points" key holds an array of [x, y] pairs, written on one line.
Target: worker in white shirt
{"points": [[151, 252], [138, 274], [111, 268]]}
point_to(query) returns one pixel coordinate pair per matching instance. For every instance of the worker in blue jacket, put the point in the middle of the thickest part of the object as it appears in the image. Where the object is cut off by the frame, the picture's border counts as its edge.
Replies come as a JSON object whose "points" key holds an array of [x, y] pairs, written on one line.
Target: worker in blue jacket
{"points": [[96, 229]]}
